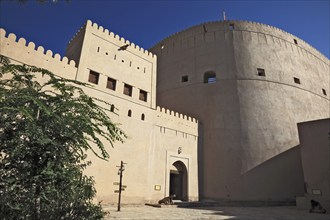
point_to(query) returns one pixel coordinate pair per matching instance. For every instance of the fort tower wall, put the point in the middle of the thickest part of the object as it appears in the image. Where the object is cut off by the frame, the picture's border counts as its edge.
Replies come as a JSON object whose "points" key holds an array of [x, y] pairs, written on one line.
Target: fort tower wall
{"points": [[249, 84]]}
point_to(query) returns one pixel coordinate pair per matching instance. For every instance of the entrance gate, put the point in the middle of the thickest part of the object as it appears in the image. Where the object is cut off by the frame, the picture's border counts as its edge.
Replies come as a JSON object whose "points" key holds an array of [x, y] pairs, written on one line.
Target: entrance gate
{"points": [[179, 181]]}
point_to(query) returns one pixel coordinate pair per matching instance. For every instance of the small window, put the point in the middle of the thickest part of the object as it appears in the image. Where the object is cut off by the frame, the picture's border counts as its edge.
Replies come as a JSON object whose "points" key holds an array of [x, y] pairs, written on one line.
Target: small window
{"points": [[112, 108], [184, 78], [231, 27], [296, 80], [129, 113], [128, 90], [295, 41], [143, 95], [142, 117], [106, 53], [324, 92], [111, 83], [93, 77], [98, 49], [122, 61], [210, 77], [261, 72]]}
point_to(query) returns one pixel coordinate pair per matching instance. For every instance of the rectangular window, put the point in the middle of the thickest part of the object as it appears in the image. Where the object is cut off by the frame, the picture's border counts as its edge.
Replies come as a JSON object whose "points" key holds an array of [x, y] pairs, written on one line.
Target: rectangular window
{"points": [[128, 90], [93, 77], [143, 95], [111, 83], [184, 78], [261, 72], [295, 41], [296, 80]]}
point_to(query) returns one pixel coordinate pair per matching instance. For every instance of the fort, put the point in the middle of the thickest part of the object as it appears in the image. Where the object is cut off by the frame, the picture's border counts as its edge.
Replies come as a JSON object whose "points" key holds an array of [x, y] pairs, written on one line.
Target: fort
{"points": [[232, 94]]}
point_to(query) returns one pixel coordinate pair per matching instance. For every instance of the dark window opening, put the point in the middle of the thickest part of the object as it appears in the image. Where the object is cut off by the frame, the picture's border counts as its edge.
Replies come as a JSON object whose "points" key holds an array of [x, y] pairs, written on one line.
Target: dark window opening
{"points": [[144, 70], [129, 114], [111, 83], [138, 68], [98, 49], [295, 41], [93, 77], [142, 117], [261, 72], [115, 57], [122, 61], [231, 27], [324, 92], [184, 78], [210, 77], [128, 90], [296, 80], [143, 95], [130, 63], [106, 53], [112, 108]]}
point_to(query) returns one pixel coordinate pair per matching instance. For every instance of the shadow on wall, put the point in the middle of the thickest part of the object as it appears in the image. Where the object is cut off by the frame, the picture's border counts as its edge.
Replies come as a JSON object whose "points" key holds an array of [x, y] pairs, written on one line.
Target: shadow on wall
{"points": [[278, 180]]}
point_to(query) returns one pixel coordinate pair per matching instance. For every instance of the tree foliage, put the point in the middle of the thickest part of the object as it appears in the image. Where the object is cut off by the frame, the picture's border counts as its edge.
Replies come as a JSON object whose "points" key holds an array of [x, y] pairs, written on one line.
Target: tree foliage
{"points": [[45, 130]]}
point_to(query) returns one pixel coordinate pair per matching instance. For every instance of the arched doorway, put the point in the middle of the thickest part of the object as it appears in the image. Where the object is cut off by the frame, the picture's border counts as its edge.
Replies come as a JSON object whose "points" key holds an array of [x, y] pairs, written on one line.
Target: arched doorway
{"points": [[179, 181]]}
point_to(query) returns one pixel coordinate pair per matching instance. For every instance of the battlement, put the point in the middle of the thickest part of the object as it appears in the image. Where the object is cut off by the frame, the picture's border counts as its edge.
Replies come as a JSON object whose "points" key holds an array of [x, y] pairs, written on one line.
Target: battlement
{"points": [[250, 26], [171, 115], [78, 33], [28, 53], [105, 33], [11, 39]]}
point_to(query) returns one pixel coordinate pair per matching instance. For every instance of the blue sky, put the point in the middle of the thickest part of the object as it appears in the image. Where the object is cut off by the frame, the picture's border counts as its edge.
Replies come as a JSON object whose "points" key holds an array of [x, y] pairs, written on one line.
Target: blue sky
{"points": [[147, 22]]}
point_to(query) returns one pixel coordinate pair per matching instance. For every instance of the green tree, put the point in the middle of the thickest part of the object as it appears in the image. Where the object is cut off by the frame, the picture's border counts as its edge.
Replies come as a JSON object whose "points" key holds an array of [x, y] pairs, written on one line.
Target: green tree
{"points": [[46, 128]]}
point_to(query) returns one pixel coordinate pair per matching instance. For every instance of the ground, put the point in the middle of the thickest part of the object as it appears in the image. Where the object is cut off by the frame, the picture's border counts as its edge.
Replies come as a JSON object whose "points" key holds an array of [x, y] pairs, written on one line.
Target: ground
{"points": [[233, 213]]}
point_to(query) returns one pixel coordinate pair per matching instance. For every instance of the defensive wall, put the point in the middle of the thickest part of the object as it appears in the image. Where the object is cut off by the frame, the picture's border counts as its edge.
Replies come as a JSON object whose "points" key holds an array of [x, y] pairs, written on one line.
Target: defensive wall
{"points": [[249, 84], [28, 53], [157, 137]]}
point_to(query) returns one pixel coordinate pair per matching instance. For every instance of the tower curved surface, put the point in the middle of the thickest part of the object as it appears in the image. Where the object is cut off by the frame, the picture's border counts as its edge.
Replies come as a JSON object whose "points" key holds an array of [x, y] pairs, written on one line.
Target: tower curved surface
{"points": [[249, 84]]}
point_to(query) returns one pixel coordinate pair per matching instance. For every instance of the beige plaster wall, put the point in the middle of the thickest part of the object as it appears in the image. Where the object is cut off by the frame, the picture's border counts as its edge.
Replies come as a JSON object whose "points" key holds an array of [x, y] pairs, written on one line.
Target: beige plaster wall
{"points": [[152, 144], [249, 122], [21, 51]]}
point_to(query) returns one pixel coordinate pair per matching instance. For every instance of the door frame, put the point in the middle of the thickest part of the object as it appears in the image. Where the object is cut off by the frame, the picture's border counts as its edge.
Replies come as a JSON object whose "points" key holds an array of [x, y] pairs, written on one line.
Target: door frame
{"points": [[171, 158]]}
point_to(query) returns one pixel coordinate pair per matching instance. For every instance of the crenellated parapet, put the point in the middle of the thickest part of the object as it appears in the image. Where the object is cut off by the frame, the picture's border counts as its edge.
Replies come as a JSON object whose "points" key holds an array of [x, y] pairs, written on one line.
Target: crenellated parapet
{"points": [[120, 41], [279, 35], [177, 121], [77, 34], [171, 115], [219, 30], [28, 53]]}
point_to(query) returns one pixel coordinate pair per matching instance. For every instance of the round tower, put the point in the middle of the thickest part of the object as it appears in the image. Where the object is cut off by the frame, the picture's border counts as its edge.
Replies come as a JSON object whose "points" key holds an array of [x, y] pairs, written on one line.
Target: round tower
{"points": [[249, 84]]}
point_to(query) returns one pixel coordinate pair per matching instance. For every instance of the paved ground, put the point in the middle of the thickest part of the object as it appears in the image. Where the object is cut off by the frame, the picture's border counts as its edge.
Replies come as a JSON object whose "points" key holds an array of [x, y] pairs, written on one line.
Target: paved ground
{"points": [[233, 213]]}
